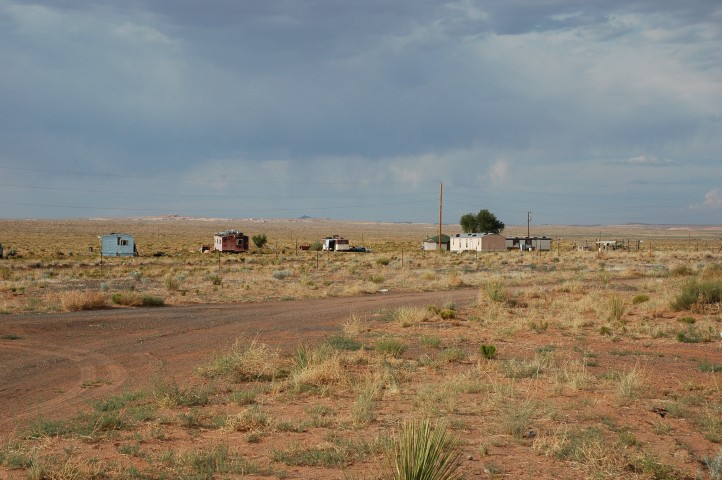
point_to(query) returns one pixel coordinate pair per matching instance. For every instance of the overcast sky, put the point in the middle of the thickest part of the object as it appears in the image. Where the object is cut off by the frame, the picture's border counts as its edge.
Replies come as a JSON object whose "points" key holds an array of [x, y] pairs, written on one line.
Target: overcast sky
{"points": [[599, 112]]}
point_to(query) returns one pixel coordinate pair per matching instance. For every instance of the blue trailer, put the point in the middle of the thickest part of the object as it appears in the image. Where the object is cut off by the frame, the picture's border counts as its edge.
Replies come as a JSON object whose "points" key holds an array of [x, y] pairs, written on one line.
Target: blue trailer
{"points": [[118, 245]]}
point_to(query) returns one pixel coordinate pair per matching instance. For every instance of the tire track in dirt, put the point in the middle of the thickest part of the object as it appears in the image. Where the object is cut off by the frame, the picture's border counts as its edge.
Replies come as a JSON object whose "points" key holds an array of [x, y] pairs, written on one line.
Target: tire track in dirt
{"points": [[43, 373], [98, 373]]}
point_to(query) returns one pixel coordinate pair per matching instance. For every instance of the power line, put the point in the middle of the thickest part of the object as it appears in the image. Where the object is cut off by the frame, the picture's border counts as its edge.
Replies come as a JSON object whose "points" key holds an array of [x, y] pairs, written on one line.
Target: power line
{"points": [[209, 179], [204, 195]]}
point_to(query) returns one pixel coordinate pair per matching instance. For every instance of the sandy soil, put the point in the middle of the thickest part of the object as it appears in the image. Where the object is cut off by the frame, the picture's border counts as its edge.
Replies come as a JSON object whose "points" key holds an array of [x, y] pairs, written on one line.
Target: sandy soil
{"points": [[63, 361]]}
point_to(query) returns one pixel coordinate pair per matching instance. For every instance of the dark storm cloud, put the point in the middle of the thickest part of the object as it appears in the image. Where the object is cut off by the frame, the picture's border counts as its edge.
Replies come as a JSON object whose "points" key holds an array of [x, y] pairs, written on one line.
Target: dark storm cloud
{"points": [[525, 98]]}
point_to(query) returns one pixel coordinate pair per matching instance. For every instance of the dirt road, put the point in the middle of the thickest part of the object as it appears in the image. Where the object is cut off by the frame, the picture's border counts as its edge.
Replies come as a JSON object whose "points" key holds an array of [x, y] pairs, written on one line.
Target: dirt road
{"points": [[52, 365]]}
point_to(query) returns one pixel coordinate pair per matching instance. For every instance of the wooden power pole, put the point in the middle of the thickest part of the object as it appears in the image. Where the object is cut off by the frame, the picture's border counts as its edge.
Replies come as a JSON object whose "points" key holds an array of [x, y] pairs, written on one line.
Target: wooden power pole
{"points": [[528, 221], [441, 200]]}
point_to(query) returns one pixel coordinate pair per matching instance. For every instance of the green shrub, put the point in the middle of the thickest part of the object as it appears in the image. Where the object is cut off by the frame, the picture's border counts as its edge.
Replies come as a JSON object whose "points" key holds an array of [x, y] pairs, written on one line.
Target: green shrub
{"points": [[496, 292], [135, 299], [431, 341], [681, 271], [641, 298], [695, 335], [452, 355], [423, 451], [171, 394], [697, 293], [391, 347], [706, 366], [172, 282], [341, 342], [383, 261], [488, 351], [281, 274], [151, 301], [260, 240]]}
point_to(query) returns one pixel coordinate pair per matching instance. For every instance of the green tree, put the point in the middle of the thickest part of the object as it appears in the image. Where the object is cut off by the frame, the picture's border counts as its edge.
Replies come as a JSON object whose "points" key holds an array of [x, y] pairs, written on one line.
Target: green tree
{"points": [[482, 222], [260, 240], [468, 223]]}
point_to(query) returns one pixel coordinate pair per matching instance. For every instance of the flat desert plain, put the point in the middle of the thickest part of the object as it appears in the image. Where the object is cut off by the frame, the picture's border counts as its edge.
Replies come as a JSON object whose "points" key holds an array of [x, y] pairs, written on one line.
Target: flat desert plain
{"points": [[280, 363]]}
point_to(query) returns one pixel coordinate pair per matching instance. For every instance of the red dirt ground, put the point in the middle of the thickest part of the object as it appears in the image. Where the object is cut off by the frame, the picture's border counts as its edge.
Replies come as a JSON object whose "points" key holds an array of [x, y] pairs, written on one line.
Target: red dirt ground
{"points": [[48, 371]]}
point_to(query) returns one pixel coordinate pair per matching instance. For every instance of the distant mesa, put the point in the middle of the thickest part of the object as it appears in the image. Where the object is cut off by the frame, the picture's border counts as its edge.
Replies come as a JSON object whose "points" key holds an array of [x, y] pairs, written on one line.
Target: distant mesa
{"points": [[305, 217]]}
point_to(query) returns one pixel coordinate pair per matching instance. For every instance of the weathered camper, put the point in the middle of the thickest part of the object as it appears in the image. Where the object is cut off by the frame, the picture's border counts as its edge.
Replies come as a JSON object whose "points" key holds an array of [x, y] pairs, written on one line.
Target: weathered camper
{"points": [[529, 243], [230, 241], [336, 243], [480, 242], [609, 245], [118, 245]]}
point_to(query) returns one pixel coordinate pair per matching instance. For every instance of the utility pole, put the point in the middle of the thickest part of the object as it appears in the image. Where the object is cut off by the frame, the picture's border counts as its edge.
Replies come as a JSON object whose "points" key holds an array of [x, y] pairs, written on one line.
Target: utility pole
{"points": [[441, 202], [528, 221]]}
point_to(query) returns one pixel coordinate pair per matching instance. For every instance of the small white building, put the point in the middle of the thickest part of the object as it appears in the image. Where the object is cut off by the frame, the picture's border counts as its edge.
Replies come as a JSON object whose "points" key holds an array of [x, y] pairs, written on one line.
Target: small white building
{"points": [[432, 243], [336, 243], [480, 242]]}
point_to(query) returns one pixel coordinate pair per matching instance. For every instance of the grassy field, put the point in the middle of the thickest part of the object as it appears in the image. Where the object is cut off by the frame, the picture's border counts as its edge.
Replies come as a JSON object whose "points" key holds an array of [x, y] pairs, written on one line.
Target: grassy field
{"points": [[54, 268], [568, 364]]}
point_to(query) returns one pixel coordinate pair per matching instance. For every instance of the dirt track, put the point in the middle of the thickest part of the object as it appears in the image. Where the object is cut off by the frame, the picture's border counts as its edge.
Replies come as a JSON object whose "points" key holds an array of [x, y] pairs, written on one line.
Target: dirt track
{"points": [[63, 361]]}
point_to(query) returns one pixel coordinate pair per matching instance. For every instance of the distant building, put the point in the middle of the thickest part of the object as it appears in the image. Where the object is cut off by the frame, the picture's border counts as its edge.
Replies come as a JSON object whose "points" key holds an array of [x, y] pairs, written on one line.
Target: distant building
{"points": [[529, 243], [335, 243], [118, 245], [609, 245], [432, 243], [230, 241], [480, 242]]}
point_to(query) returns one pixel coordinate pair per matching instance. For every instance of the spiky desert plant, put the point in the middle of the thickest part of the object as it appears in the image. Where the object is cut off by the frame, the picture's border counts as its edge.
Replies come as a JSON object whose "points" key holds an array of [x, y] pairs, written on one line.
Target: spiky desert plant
{"points": [[425, 452], [489, 351]]}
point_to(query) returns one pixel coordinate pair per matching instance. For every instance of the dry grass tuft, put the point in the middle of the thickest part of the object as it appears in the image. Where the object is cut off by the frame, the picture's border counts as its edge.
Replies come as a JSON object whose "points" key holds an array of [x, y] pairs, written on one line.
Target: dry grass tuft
{"points": [[244, 362], [317, 368], [75, 301], [409, 316]]}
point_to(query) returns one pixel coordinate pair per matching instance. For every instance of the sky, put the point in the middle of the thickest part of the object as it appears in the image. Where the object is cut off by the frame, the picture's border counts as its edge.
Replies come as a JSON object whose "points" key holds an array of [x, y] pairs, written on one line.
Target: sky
{"points": [[594, 112]]}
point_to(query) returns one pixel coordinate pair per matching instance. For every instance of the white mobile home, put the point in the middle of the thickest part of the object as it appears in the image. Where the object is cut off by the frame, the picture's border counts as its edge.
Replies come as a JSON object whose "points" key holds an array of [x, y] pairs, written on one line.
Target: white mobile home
{"points": [[480, 242]]}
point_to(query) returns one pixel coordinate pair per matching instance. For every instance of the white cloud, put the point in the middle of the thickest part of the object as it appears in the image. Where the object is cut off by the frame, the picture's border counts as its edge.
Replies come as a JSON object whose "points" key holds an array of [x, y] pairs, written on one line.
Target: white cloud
{"points": [[647, 161], [499, 172], [712, 199], [141, 34]]}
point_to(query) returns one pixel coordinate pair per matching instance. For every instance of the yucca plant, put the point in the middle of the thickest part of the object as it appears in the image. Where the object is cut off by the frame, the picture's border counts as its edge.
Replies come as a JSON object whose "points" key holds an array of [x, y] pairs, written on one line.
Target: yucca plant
{"points": [[425, 452], [489, 351]]}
